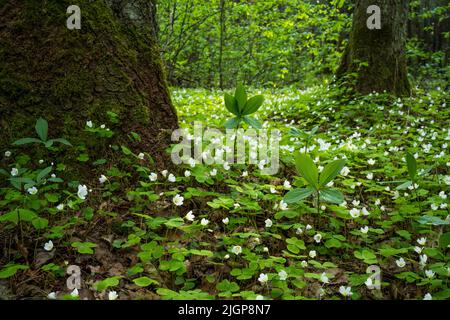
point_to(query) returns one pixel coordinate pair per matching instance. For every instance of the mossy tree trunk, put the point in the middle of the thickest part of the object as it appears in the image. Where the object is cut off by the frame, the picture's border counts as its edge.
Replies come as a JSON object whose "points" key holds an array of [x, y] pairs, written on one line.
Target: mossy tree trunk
{"points": [[377, 57], [70, 76]]}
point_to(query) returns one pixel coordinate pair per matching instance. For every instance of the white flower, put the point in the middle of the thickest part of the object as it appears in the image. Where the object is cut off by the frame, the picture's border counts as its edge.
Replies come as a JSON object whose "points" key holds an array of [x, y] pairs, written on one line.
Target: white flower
{"points": [[189, 216], [434, 207], [268, 223], [422, 241], [245, 173], [345, 171], [304, 264], [299, 231], [178, 200], [364, 211], [356, 203], [204, 222], [32, 190], [213, 172], [265, 249], [283, 205], [89, 124], [141, 156], [364, 229], [41, 161], [324, 278], [102, 179], [355, 213], [429, 273], [226, 220], [112, 295], [164, 173], [14, 172], [428, 297], [226, 166], [272, 189], [370, 176], [153, 177], [345, 291], [282, 275], [82, 192], [52, 296], [60, 207], [287, 185], [259, 297], [172, 178], [192, 162], [187, 173], [418, 249], [48, 246], [308, 227], [7, 154], [400, 262], [371, 162], [369, 282], [313, 254], [442, 195], [74, 293], [236, 250], [318, 238], [227, 256], [263, 278], [423, 259]]}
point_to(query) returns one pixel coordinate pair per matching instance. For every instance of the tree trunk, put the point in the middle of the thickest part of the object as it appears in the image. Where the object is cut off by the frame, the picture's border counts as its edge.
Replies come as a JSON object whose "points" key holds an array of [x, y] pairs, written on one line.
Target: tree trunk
{"points": [[377, 56], [70, 76]]}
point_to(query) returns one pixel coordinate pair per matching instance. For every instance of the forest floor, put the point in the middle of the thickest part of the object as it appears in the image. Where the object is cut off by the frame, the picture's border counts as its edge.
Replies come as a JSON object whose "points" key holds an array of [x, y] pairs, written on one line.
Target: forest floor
{"points": [[224, 231]]}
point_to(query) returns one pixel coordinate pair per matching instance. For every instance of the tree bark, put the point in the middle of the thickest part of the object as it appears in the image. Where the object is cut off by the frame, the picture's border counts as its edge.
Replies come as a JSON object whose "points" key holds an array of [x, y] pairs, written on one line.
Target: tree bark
{"points": [[382, 50], [70, 76]]}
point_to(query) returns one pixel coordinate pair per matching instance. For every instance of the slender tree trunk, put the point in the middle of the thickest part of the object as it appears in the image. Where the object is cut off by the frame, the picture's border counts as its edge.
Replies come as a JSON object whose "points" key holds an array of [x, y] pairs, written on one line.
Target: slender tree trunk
{"points": [[70, 76], [377, 56], [222, 41]]}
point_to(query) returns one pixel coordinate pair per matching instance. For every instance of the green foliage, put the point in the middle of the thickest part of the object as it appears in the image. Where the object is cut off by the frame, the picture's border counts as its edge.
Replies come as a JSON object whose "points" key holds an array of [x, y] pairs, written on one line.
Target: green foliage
{"points": [[242, 107], [42, 132]]}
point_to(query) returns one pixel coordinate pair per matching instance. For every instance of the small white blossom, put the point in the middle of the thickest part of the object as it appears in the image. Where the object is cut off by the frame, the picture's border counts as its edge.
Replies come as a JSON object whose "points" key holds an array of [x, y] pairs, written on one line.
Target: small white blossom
{"points": [[318, 238], [324, 278], [204, 222], [268, 223], [282, 275], [263, 278], [7, 154], [422, 241], [364, 229], [345, 171], [82, 192], [102, 179], [48, 246], [237, 250], [52, 296], [287, 185], [60, 207], [283, 205], [74, 293], [178, 200], [172, 178], [400, 262], [89, 124], [141, 156], [187, 173], [112, 295], [428, 297], [312, 254], [32, 190], [153, 177], [14, 172], [371, 162], [189, 216], [226, 220], [164, 173], [429, 273], [345, 291]]}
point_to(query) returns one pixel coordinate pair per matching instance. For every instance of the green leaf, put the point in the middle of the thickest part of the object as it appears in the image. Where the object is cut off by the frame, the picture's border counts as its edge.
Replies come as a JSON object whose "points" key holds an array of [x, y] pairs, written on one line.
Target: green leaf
{"points": [[332, 195], [232, 123], [43, 174], [231, 104], [253, 104], [62, 141], [42, 129], [333, 243], [108, 282], [307, 169], [330, 172], [253, 122], [84, 247], [144, 281], [26, 141], [10, 270], [444, 241], [404, 185], [241, 97], [39, 223], [412, 165], [297, 195]]}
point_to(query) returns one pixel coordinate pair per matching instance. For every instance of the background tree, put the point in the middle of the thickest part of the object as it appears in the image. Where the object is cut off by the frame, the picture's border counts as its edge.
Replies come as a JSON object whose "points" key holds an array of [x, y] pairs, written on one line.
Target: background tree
{"points": [[377, 56], [71, 76]]}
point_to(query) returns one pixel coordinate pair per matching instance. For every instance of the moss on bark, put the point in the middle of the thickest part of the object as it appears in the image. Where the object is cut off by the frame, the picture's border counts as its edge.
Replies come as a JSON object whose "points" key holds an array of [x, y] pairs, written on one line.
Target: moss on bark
{"points": [[375, 60], [70, 76]]}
